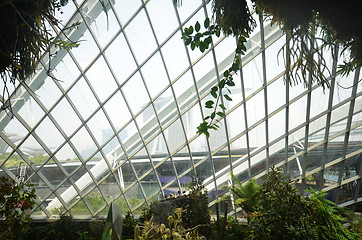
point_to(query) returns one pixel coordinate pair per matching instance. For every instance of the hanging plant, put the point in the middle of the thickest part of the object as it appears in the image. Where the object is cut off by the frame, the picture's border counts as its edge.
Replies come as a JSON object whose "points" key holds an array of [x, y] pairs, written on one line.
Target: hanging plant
{"points": [[24, 36]]}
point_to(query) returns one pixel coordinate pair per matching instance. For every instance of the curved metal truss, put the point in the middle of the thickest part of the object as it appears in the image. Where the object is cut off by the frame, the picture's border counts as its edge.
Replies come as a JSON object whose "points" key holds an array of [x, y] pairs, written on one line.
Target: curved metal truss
{"points": [[115, 119]]}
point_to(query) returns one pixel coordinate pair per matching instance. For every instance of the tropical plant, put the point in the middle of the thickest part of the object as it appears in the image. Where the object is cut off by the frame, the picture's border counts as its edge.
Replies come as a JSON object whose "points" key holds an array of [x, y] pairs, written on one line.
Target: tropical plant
{"points": [[25, 35], [328, 218], [176, 231], [196, 212], [16, 201], [283, 213], [311, 28], [245, 196]]}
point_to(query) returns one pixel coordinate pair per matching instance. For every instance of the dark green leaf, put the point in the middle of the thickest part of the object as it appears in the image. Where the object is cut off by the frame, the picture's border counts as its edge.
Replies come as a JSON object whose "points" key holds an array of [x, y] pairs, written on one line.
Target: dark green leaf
{"points": [[190, 30], [197, 26], [235, 67], [218, 32], [221, 114], [230, 83], [214, 94], [212, 115], [202, 46], [214, 88], [197, 37], [226, 73], [222, 83], [207, 134], [209, 104], [188, 41], [206, 22], [222, 106], [227, 97], [192, 46]]}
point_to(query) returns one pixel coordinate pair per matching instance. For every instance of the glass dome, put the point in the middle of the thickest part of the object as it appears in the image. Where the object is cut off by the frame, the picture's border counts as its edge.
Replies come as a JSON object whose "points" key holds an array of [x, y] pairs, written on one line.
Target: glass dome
{"points": [[115, 118]]}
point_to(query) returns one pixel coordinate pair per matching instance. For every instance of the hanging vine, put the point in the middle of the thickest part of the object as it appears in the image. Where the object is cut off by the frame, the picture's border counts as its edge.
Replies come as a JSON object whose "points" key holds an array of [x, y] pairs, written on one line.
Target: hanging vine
{"points": [[311, 28], [24, 36]]}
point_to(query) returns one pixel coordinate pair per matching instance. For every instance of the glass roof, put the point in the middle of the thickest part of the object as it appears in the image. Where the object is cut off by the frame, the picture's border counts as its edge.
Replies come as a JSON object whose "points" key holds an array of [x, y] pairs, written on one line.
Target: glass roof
{"points": [[115, 118]]}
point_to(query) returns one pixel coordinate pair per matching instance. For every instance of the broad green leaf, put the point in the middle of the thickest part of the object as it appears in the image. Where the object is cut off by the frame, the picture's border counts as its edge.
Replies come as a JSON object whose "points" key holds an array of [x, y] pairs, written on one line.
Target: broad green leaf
{"points": [[192, 46], [209, 104], [226, 73], [227, 97], [197, 26], [222, 106], [218, 32], [221, 114], [222, 83], [206, 22], [213, 115], [230, 83], [214, 94]]}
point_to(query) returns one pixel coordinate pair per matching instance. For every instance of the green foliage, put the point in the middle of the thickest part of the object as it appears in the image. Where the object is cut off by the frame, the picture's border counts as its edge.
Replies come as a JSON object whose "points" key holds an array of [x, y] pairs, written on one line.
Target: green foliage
{"points": [[129, 223], [25, 36], [176, 231], [233, 16], [283, 213], [220, 91], [65, 228], [231, 229], [311, 28], [327, 218], [245, 196], [16, 201], [196, 213]]}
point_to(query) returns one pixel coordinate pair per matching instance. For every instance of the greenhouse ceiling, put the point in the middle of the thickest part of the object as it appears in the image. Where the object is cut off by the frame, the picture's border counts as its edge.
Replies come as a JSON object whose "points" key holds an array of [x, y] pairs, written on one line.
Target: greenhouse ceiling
{"points": [[115, 119]]}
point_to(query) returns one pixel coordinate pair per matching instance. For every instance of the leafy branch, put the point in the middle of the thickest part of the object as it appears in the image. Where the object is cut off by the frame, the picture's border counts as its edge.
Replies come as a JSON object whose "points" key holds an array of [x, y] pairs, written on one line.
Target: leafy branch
{"points": [[203, 40]]}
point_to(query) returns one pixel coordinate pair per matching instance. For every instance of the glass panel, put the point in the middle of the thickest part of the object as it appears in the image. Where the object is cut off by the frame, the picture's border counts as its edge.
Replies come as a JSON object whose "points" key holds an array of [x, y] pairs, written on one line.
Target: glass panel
{"points": [[30, 112], [33, 151], [117, 111], [164, 22], [155, 76], [297, 112], [275, 60], [187, 9], [276, 125], [105, 26], [100, 127], [343, 88], [276, 95], [174, 136], [83, 143], [252, 75], [148, 124], [135, 93], [134, 196], [49, 92], [66, 72], [255, 108], [83, 98], [49, 134], [80, 208], [96, 201], [120, 59], [101, 79], [125, 9], [257, 136], [69, 122], [175, 56], [140, 37], [86, 51]]}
